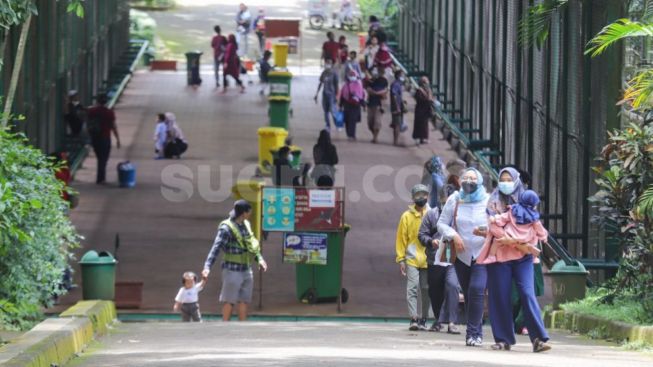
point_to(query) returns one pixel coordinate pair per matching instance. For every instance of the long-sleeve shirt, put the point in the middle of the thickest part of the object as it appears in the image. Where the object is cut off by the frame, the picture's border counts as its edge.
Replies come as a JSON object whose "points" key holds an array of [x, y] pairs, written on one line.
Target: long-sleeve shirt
{"points": [[428, 231], [470, 216], [223, 238], [504, 224], [408, 248]]}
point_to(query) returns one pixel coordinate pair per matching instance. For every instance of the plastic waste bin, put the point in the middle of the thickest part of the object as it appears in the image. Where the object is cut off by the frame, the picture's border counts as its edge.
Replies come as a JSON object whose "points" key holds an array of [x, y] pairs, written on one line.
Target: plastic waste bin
{"points": [[568, 282], [148, 56], [250, 190], [193, 67], [322, 283], [126, 174], [280, 53], [296, 152], [280, 82], [98, 275], [269, 138], [279, 111]]}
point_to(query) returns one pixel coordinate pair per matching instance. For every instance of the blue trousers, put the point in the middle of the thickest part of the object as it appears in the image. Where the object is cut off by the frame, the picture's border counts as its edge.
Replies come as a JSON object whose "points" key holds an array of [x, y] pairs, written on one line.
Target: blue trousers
{"points": [[473, 280], [329, 108], [500, 277]]}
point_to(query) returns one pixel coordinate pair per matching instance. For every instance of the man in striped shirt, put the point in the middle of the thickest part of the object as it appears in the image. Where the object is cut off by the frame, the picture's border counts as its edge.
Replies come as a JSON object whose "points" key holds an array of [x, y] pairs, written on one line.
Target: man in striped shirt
{"points": [[240, 248]]}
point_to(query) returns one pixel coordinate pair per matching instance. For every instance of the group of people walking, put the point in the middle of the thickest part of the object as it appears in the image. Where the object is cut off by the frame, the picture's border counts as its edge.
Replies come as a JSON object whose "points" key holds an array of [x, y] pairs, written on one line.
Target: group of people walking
{"points": [[366, 87], [477, 243]]}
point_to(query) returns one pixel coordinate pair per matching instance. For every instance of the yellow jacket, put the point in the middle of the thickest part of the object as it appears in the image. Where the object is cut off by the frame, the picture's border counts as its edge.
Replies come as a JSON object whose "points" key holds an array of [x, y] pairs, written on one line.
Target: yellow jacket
{"points": [[408, 246]]}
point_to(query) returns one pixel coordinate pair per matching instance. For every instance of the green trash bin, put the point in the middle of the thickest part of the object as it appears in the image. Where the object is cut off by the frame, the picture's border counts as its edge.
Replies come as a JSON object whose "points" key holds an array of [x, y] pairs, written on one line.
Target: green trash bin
{"points": [[193, 67], [568, 282], [280, 82], [296, 156], [322, 283], [98, 275], [279, 111]]}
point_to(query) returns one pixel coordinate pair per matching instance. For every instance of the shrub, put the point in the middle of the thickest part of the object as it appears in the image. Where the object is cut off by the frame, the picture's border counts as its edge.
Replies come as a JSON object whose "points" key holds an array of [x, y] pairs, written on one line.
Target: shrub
{"points": [[36, 235]]}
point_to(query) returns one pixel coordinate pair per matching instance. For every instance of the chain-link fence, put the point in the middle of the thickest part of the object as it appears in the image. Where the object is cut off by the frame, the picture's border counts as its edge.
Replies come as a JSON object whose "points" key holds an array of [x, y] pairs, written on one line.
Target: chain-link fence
{"points": [[544, 110]]}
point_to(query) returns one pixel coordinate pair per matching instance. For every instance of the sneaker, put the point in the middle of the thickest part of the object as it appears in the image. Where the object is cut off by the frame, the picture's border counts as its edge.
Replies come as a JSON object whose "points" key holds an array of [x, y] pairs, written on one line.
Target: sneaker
{"points": [[540, 346], [414, 326], [473, 341], [436, 327], [421, 324]]}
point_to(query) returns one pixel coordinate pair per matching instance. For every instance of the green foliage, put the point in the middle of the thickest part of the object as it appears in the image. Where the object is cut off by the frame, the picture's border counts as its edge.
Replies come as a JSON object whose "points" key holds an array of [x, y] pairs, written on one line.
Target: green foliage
{"points": [[142, 25], [617, 31], [14, 12], [386, 10], [534, 26], [36, 235], [623, 203], [627, 308]]}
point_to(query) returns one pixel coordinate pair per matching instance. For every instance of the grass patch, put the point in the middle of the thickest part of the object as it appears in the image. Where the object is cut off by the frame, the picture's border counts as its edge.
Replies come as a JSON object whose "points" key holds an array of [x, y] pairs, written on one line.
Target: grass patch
{"points": [[626, 310], [638, 346]]}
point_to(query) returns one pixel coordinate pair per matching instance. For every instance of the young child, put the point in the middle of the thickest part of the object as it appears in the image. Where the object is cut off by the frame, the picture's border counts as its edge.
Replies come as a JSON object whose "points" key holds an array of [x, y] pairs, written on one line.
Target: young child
{"points": [[160, 135], [522, 223], [353, 64], [264, 69], [187, 298]]}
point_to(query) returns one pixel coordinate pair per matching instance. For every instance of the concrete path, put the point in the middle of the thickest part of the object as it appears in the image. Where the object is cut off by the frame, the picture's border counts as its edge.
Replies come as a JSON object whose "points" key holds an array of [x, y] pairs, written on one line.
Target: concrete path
{"points": [[160, 239], [330, 344]]}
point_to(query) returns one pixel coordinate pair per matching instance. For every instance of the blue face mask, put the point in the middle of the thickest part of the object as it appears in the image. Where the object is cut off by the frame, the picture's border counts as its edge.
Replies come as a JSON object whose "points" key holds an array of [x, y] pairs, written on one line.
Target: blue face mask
{"points": [[506, 188]]}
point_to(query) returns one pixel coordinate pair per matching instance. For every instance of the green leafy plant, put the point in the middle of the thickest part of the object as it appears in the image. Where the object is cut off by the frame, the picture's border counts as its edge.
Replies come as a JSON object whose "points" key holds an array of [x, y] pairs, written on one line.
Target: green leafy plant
{"points": [[534, 26], [36, 236], [623, 202]]}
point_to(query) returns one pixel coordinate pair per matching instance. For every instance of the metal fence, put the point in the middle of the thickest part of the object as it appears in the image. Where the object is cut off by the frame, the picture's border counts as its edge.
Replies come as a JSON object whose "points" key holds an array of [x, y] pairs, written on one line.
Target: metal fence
{"points": [[544, 110], [63, 52]]}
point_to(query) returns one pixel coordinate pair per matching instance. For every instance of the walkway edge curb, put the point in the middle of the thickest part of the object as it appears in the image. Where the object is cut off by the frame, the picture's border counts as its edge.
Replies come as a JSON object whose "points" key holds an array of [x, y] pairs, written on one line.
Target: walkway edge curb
{"points": [[607, 329], [57, 340]]}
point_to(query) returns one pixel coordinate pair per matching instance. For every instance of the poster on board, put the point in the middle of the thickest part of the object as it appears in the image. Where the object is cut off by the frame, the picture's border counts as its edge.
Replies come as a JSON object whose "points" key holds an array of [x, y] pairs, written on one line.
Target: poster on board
{"points": [[305, 248]]}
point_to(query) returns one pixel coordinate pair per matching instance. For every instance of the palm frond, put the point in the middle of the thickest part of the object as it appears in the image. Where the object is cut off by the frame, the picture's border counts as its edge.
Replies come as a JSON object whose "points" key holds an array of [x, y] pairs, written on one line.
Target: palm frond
{"points": [[640, 89], [617, 31], [534, 26], [645, 203], [647, 14]]}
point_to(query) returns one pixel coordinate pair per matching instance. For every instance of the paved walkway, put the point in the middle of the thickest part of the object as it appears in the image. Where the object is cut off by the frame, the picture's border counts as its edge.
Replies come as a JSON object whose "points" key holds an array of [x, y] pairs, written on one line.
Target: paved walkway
{"points": [[330, 344]]}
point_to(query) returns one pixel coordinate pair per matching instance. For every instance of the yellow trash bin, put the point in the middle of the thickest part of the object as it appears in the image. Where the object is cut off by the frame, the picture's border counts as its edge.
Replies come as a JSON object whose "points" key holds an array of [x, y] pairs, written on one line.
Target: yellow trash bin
{"points": [[269, 138], [280, 52], [250, 190]]}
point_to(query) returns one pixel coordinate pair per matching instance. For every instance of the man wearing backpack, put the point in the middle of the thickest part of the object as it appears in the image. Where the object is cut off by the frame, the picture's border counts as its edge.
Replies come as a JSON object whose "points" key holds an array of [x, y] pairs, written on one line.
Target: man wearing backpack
{"points": [[101, 123], [241, 248]]}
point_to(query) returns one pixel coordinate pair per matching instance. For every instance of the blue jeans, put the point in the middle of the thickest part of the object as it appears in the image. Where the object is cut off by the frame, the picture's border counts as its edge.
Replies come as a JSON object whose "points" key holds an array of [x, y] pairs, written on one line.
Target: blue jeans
{"points": [[500, 277], [473, 281], [329, 107]]}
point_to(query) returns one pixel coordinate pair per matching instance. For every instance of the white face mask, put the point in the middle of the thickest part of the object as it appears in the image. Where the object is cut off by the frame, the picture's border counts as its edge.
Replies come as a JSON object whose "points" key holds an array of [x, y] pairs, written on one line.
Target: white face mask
{"points": [[402, 79], [75, 103], [375, 73], [328, 66], [352, 78], [506, 188]]}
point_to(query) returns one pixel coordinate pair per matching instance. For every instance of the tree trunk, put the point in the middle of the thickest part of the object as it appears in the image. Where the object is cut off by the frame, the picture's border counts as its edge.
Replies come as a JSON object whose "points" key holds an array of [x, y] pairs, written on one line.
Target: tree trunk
{"points": [[15, 73]]}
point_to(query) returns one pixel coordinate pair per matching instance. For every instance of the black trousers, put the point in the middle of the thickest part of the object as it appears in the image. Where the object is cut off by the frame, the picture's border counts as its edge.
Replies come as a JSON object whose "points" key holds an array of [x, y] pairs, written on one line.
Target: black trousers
{"points": [[443, 289], [102, 149]]}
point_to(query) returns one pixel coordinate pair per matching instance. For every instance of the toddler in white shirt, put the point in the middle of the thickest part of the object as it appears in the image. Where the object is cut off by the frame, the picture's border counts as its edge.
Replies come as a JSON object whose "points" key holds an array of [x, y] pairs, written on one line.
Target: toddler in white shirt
{"points": [[187, 297]]}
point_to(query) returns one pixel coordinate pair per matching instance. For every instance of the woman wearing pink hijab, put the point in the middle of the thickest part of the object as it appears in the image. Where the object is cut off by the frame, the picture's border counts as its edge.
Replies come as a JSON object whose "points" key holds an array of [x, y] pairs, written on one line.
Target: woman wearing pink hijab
{"points": [[352, 98]]}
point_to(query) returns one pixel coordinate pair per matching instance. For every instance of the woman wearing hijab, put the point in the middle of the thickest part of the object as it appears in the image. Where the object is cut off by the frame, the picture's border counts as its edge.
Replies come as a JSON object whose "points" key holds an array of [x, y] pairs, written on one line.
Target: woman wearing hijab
{"points": [[462, 219], [423, 111], [507, 193], [434, 177], [232, 64], [352, 97], [175, 143], [325, 158]]}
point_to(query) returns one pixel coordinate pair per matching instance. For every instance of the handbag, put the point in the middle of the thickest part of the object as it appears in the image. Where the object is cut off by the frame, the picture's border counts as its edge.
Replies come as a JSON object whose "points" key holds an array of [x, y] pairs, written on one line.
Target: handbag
{"points": [[449, 247], [339, 118]]}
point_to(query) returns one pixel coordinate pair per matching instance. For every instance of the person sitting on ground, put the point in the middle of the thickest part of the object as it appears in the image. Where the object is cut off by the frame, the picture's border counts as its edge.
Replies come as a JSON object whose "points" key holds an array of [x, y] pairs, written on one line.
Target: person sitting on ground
{"points": [[176, 144], [187, 300], [522, 223], [160, 136], [325, 157], [264, 70]]}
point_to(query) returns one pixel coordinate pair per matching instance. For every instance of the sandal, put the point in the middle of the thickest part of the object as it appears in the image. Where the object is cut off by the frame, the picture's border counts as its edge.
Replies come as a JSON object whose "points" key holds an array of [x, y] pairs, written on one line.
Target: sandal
{"points": [[453, 329], [500, 346], [540, 346], [436, 327]]}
